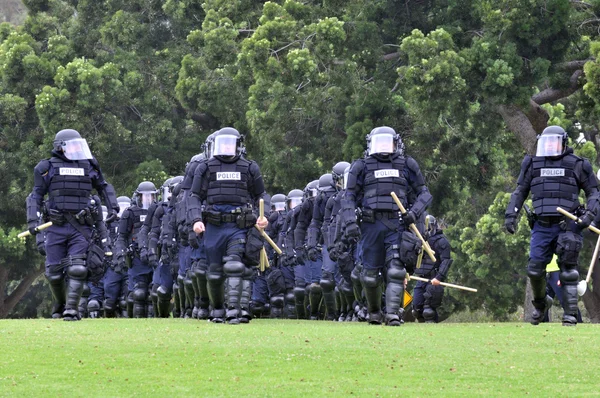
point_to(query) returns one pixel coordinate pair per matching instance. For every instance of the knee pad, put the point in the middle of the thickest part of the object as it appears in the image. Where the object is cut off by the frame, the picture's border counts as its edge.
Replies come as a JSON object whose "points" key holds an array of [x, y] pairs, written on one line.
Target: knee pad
{"points": [[429, 314], [277, 301], [200, 272], [355, 275], [289, 296], [299, 293], [163, 293], [234, 268], [109, 305], [536, 270], [154, 291], [346, 288], [187, 282], [569, 276], [327, 282], [396, 273], [215, 273], [371, 278], [139, 292], [55, 279], [315, 289], [77, 270], [93, 305]]}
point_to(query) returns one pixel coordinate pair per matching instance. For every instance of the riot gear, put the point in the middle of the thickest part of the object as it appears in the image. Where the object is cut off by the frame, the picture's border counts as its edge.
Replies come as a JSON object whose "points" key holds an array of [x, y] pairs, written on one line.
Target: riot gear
{"points": [[382, 140], [124, 202], [338, 173], [228, 142], [294, 198], [326, 183], [552, 142], [432, 225], [278, 202], [312, 189], [145, 194], [71, 145]]}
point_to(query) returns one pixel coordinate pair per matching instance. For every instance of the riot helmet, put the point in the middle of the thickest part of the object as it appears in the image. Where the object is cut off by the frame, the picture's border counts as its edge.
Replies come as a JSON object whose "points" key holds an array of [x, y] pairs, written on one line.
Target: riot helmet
{"points": [[174, 182], [294, 198], [71, 145], [326, 183], [228, 142], [278, 202], [431, 224], [165, 194], [338, 173], [346, 172], [209, 145], [312, 189], [124, 202], [552, 142], [145, 194], [383, 141]]}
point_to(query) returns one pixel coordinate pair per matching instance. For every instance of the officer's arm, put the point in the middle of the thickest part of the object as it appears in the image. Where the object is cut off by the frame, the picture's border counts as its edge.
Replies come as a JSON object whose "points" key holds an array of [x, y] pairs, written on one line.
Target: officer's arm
{"points": [[522, 191], [142, 236], [197, 194], [289, 236], [443, 252], [589, 184], [302, 224], [154, 233], [105, 190], [124, 231], [35, 200], [353, 187], [271, 229], [314, 229], [416, 181]]}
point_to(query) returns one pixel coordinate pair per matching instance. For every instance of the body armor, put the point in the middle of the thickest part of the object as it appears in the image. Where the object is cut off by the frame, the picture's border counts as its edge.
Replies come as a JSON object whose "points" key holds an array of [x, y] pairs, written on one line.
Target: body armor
{"points": [[70, 185], [554, 184], [382, 178], [228, 182]]}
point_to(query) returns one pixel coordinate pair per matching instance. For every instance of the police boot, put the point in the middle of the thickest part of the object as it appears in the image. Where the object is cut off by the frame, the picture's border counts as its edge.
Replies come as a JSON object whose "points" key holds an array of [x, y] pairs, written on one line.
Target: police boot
{"points": [[234, 270], [189, 296], [315, 296], [149, 307], [200, 272], [163, 301], [418, 314], [59, 294], [192, 275], [394, 292], [245, 298], [77, 273], [429, 314], [94, 309], [290, 304], [327, 284], [83, 301], [371, 280], [277, 306], [176, 301], [181, 292], [299, 302], [569, 276], [539, 309], [109, 308], [139, 300], [154, 298]]}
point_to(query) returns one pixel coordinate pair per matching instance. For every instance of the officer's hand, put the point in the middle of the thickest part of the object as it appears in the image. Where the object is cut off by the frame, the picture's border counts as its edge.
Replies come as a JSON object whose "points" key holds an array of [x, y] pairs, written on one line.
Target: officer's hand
{"points": [[301, 256], [144, 254], [108, 251], [409, 218], [112, 216], [510, 223], [352, 232], [120, 260], [193, 239], [199, 227], [313, 254], [32, 230], [262, 222], [435, 282], [586, 219]]}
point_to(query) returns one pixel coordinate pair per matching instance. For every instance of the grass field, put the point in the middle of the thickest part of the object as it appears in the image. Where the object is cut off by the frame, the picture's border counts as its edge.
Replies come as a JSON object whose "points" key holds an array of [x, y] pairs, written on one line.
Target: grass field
{"points": [[269, 358]]}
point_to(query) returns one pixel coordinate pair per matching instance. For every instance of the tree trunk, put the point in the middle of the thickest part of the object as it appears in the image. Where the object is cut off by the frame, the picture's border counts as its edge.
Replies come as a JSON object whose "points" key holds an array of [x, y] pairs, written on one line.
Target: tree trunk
{"points": [[520, 124], [8, 302]]}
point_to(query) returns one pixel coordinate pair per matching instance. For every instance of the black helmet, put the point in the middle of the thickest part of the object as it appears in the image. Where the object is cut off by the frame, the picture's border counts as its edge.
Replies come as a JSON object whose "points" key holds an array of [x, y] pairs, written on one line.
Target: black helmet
{"points": [[312, 189], [208, 145], [552, 142], [384, 141], [198, 158], [228, 142], [338, 173], [326, 183], [124, 202], [432, 224], [294, 198], [145, 194], [278, 202], [71, 145], [164, 190]]}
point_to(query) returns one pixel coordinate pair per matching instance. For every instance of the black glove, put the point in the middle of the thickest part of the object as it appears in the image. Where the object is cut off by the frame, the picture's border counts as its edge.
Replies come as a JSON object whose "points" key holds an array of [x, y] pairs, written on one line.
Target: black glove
{"points": [[32, 229], [193, 239], [409, 218], [313, 254], [144, 255], [352, 232], [586, 219], [152, 258], [120, 261], [510, 223], [112, 216], [41, 244], [301, 256]]}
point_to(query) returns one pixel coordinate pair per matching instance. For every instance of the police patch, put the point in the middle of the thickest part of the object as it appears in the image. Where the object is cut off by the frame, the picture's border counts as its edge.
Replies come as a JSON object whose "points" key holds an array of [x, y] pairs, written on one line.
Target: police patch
{"points": [[229, 175], [68, 171], [143, 218], [387, 173], [552, 172]]}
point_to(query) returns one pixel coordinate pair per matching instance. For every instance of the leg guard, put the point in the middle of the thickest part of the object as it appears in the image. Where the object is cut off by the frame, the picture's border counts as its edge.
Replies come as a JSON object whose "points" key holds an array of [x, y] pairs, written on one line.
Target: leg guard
{"points": [[536, 271], [77, 273], [371, 280], [163, 302], [347, 291], [194, 277], [290, 304], [394, 292], [203, 302], [139, 300], [569, 276], [247, 277], [176, 301], [83, 301], [340, 304], [356, 283], [315, 296], [181, 293], [130, 305], [154, 298], [109, 308], [277, 306], [93, 308], [328, 286], [215, 280], [188, 286], [234, 270], [59, 293], [299, 302]]}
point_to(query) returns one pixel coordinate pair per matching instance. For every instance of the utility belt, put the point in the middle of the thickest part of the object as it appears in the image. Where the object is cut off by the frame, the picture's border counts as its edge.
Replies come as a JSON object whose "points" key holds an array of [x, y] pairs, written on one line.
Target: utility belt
{"points": [[548, 221], [369, 215], [83, 217], [242, 217]]}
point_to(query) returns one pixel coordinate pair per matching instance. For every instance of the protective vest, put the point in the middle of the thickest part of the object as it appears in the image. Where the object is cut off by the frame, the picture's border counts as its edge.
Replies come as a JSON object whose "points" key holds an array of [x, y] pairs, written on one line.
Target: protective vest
{"points": [[180, 208], [382, 178], [228, 182], [138, 215], [70, 185], [554, 184], [427, 265]]}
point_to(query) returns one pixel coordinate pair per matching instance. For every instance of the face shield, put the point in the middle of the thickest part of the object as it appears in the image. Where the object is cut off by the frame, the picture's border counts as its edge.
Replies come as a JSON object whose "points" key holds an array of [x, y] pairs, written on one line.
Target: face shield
{"points": [[549, 145], [295, 202], [225, 145], [312, 193], [122, 207], [381, 143], [146, 199], [345, 179], [279, 206], [104, 213], [77, 149], [166, 194]]}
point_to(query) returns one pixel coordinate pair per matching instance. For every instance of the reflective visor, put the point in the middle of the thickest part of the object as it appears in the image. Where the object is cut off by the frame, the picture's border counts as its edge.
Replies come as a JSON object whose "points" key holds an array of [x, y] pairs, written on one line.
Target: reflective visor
{"points": [[104, 214], [166, 194], [122, 207], [345, 181], [381, 143], [77, 149], [279, 206], [147, 198], [549, 145], [225, 145], [313, 192], [295, 202]]}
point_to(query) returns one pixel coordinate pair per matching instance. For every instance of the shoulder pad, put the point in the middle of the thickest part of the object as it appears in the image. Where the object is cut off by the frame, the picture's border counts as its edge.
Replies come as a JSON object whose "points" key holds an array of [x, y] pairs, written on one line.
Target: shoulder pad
{"points": [[95, 164], [443, 242], [42, 167], [411, 163], [527, 160], [127, 213]]}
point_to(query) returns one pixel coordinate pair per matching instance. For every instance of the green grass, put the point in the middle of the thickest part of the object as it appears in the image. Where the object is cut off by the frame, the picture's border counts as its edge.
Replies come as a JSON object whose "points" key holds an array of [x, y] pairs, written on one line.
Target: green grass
{"points": [[268, 358]]}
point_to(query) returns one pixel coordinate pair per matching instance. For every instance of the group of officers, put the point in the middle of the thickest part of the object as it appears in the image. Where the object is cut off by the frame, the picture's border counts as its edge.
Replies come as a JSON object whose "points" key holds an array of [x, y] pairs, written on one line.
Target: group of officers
{"points": [[342, 247]]}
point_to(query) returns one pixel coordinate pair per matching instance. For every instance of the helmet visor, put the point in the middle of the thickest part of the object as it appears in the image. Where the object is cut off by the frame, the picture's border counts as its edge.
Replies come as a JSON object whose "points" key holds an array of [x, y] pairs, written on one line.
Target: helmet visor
{"points": [[146, 199], [381, 143], [295, 202], [313, 192], [549, 145], [166, 194], [345, 179], [76, 149], [279, 206], [122, 207], [225, 145], [104, 214]]}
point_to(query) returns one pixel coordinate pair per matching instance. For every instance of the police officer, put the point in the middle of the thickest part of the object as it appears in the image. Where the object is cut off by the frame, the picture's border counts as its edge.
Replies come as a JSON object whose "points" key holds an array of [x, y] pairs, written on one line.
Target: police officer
{"points": [[101, 256], [230, 185], [68, 177], [427, 296], [370, 181], [555, 177], [294, 204], [128, 251]]}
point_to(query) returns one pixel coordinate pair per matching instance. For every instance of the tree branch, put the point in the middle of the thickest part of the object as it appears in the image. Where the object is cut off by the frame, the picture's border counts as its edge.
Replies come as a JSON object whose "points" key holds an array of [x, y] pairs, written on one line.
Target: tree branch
{"points": [[554, 94], [518, 122], [17, 294], [572, 66]]}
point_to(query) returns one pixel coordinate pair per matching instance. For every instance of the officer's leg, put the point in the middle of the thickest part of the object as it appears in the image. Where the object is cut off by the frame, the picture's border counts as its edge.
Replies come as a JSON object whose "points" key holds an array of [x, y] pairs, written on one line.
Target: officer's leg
{"points": [[536, 271], [433, 299], [357, 288], [77, 273], [340, 304], [83, 300], [347, 292], [56, 279], [277, 289], [394, 292], [188, 286], [327, 284], [234, 270], [140, 290], [176, 300], [260, 295], [419, 300], [56, 250], [245, 298], [299, 289], [568, 246], [154, 298], [215, 280], [200, 272], [372, 280], [93, 308], [163, 303]]}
